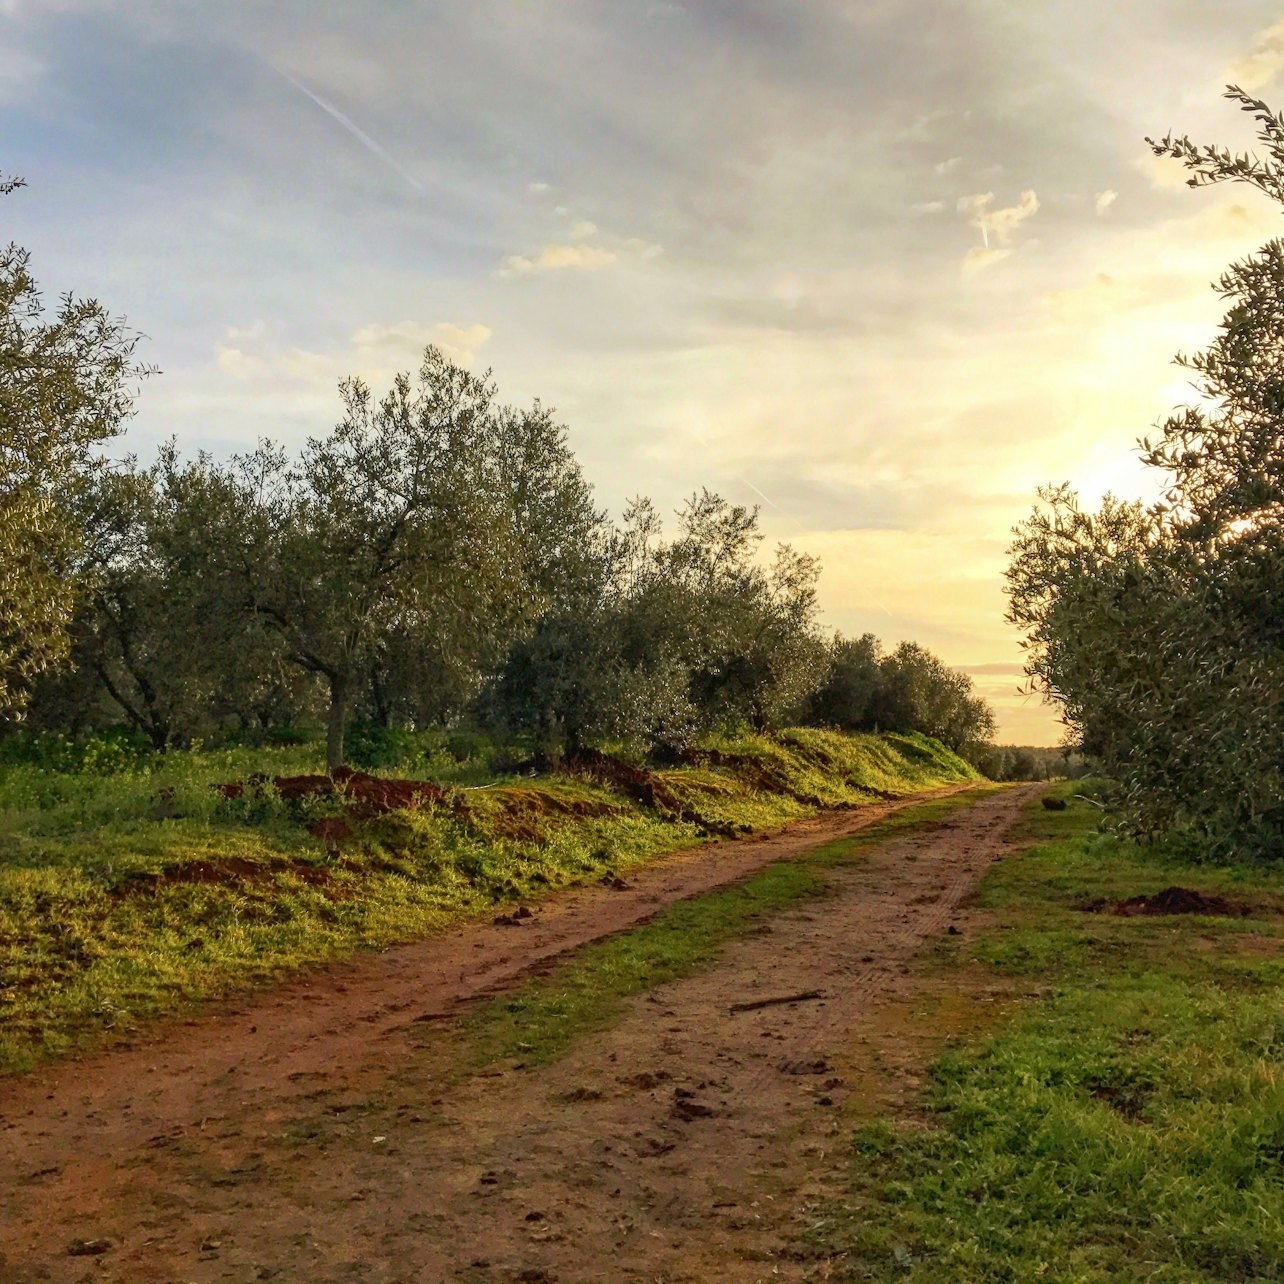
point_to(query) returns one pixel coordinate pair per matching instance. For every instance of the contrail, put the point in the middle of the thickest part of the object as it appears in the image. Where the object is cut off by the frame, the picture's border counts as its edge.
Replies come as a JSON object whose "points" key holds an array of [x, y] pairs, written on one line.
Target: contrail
{"points": [[765, 498], [353, 128]]}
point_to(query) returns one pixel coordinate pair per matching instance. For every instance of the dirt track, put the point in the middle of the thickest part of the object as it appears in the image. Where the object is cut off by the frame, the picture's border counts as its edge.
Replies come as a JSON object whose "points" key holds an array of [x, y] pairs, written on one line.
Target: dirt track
{"points": [[312, 1134]]}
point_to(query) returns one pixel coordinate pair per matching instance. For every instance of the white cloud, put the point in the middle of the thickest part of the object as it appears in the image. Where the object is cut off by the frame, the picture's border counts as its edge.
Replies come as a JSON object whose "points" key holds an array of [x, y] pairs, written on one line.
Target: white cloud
{"points": [[1164, 174], [581, 256], [927, 207], [1257, 69], [237, 363], [251, 333], [978, 258], [537, 188], [557, 258], [403, 343], [374, 352], [1105, 200], [20, 74], [997, 226], [948, 166], [643, 249]]}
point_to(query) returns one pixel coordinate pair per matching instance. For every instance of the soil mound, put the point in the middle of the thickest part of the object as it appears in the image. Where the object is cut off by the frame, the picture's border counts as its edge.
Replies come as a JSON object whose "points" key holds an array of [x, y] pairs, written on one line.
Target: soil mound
{"points": [[1179, 900], [529, 815], [644, 787], [366, 795]]}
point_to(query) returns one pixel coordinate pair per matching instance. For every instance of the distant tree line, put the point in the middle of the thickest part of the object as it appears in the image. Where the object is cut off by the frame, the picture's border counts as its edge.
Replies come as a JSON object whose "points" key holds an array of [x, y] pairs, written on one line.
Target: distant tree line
{"points": [[1031, 762], [436, 559], [1160, 630]]}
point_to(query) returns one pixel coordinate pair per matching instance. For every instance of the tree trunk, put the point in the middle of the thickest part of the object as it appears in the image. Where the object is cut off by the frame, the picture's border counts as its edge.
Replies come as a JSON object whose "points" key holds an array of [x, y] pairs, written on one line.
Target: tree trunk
{"points": [[335, 727]]}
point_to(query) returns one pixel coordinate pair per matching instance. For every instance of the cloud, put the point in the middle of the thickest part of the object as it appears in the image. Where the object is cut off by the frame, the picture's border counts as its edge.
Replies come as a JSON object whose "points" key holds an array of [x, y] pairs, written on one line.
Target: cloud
{"points": [[1163, 173], [247, 333], [374, 352], [979, 258], [237, 363], [581, 256], [558, 258], [403, 342], [537, 188], [927, 207], [20, 74], [1105, 200], [948, 166], [1259, 68], [1000, 224], [643, 249]]}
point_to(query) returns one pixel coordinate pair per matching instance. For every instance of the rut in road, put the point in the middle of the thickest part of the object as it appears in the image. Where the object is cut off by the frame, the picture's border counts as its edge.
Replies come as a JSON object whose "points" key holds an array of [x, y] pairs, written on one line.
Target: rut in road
{"points": [[332, 1143]]}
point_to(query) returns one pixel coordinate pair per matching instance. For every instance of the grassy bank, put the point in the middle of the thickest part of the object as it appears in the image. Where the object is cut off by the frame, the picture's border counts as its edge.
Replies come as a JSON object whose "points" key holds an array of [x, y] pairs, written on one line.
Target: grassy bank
{"points": [[1127, 1124], [132, 889]]}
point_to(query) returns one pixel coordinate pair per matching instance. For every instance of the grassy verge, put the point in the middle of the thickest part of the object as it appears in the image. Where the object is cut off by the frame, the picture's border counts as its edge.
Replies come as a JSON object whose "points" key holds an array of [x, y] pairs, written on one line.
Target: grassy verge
{"points": [[1127, 1124], [539, 1021], [125, 893]]}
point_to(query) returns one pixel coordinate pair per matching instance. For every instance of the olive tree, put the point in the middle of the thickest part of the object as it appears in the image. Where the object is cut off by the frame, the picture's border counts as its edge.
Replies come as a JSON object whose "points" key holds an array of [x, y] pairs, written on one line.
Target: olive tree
{"points": [[67, 384], [1160, 632], [394, 520]]}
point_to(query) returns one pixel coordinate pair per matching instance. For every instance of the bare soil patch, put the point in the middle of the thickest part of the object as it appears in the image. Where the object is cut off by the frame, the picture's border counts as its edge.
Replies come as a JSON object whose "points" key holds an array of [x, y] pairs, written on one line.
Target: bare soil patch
{"points": [[1173, 900], [322, 1132]]}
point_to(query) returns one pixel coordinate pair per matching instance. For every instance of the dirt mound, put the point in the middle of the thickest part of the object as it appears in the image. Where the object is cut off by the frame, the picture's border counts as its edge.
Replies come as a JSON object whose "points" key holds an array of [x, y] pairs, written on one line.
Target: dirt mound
{"points": [[755, 772], [365, 795], [1178, 900], [644, 787], [230, 871], [528, 815]]}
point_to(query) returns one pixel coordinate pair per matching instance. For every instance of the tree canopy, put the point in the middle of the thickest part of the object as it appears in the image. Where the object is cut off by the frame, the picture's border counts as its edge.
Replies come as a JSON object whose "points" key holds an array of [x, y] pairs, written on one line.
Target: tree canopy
{"points": [[67, 382], [1160, 631]]}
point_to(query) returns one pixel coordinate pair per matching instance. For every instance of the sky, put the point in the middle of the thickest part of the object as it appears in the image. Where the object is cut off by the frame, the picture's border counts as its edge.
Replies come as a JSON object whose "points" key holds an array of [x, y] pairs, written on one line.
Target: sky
{"points": [[881, 267]]}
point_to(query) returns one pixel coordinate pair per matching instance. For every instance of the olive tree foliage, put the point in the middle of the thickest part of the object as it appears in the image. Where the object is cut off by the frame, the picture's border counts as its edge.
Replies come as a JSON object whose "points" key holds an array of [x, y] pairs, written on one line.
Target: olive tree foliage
{"points": [[167, 652], [652, 641], [420, 677], [908, 689], [67, 383], [845, 698], [395, 521], [917, 691], [1160, 632]]}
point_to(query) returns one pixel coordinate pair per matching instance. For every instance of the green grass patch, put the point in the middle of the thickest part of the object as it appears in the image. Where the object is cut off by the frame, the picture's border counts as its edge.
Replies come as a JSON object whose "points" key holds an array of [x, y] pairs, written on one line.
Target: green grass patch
{"points": [[1127, 1126], [129, 887]]}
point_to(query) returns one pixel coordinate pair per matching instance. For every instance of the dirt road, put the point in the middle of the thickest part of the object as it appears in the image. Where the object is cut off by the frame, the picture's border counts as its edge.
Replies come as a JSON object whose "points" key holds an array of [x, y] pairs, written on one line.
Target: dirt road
{"points": [[320, 1133]]}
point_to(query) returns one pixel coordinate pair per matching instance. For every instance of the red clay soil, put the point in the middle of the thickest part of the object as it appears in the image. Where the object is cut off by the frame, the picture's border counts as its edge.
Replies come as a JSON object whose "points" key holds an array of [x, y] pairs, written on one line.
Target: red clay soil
{"points": [[365, 794], [323, 1131]]}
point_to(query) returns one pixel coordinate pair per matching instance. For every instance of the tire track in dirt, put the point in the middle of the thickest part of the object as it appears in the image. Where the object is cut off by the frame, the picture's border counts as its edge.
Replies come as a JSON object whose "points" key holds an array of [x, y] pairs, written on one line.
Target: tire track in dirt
{"points": [[219, 1153]]}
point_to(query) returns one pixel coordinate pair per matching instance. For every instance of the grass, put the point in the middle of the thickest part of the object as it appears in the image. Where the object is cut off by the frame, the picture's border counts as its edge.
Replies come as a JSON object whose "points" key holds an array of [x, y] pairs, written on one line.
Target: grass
{"points": [[542, 1019], [130, 889], [1127, 1125]]}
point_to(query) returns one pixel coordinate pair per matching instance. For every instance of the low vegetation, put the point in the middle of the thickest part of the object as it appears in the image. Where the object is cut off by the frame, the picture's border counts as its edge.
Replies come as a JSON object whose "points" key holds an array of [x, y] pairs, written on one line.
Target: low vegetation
{"points": [[131, 885], [1128, 1122]]}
